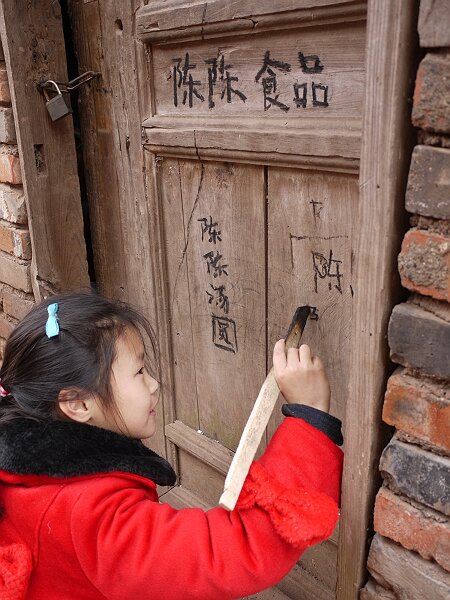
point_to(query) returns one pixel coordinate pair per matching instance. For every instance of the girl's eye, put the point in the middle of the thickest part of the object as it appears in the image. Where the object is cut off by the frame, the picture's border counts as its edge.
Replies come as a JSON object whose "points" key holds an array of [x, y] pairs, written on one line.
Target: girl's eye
{"points": [[141, 371]]}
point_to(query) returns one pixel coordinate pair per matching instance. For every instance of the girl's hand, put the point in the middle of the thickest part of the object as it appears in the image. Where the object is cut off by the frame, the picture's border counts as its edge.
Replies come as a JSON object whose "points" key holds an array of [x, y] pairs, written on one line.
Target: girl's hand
{"points": [[301, 377]]}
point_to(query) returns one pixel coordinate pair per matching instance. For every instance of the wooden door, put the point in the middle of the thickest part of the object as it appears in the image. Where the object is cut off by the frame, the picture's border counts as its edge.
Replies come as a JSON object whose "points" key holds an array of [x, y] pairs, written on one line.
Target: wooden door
{"points": [[32, 42], [230, 135], [254, 141]]}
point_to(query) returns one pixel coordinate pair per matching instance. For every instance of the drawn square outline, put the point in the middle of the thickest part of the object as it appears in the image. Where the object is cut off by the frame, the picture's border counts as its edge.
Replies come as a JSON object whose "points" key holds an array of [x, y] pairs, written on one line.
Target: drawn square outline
{"points": [[232, 347]]}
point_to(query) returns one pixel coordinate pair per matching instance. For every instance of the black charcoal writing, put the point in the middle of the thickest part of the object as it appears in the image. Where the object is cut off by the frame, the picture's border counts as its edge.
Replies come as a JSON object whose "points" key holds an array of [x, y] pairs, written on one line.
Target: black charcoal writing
{"points": [[317, 209], [319, 94], [219, 297], [293, 238], [223, 83], [224, 333], [223, 328], [305, 63], [210, 229], [327, 268], [213, 263], [182, 77], [269, 81], [301, 95], [219, 71], [313, 313]]}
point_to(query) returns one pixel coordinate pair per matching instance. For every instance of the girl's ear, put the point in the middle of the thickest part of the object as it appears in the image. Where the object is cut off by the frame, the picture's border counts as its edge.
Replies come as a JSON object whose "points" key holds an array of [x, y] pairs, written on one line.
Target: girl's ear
{"points": [[77, 405]]}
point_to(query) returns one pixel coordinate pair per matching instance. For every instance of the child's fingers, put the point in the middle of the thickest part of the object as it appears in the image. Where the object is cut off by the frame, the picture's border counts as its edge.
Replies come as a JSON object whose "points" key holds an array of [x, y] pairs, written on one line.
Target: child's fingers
{"points": [[305, 355], [317, 362], [292, 357], [279, 356]]}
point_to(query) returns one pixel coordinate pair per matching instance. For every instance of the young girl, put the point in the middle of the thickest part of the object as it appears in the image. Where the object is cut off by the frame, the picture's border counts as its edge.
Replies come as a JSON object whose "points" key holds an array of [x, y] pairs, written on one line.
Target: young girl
{"points": [[80, 517]]}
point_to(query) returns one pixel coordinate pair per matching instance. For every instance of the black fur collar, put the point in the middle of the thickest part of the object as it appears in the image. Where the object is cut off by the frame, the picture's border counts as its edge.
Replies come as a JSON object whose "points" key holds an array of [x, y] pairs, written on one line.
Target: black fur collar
{"points": [[68, 449]]}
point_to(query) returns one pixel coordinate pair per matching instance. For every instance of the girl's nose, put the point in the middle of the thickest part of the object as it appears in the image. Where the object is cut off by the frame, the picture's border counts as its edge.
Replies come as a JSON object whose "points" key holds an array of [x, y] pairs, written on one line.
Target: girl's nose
{"points": [[153, 385]]}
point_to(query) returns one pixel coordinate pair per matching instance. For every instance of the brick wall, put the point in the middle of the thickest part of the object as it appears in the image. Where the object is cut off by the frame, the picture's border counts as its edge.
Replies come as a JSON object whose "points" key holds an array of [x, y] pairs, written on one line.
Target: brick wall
{"points": [[16, 296], [409, 558]]}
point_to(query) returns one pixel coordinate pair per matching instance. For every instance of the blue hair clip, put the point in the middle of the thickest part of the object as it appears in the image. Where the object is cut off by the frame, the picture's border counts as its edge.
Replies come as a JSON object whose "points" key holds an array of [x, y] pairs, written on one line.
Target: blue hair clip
{"points": [[52, 327]]}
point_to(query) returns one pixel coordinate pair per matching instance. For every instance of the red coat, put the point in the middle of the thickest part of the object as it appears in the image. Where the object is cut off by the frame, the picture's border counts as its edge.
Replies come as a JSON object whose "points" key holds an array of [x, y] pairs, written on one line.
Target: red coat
{"points": [[94, 536]]}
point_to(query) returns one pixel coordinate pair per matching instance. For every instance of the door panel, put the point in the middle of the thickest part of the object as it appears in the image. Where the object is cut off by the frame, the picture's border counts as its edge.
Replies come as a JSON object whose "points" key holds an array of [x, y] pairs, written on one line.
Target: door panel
{"points": [[311, 221], [298, 74], [213, 217], [255, 140], [248, 118]]}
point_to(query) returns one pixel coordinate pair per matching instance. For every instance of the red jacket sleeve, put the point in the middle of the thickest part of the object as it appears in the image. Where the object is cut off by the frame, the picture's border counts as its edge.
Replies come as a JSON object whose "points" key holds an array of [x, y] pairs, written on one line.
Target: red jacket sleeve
{"points": [[132, 547]]}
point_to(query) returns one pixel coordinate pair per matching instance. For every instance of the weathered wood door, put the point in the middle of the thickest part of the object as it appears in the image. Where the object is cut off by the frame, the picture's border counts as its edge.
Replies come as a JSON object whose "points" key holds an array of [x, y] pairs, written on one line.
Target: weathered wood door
{"points": [[255, 130], [222, 149]]}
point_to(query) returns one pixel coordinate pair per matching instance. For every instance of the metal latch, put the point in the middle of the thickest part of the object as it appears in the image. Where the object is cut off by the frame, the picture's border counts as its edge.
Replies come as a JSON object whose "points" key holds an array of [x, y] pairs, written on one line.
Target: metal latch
{"points": [[57, 106]]}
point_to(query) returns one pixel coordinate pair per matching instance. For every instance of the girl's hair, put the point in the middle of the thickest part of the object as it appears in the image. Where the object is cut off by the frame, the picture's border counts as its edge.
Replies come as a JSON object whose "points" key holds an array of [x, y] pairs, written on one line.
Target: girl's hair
{"points": [[36, 368]]}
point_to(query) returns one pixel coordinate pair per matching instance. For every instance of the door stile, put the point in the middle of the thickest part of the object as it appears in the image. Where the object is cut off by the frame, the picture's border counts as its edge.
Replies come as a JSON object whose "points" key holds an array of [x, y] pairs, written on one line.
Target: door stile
{"points": [[385, 154]]}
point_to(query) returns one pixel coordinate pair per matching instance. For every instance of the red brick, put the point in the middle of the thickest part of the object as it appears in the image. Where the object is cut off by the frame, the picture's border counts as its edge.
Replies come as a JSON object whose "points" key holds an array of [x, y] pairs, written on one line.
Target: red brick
{"points": [[431, 94], [15, 272], [424, 263], [419, 339], [418, 474], [5, 95], [428, 189], [408, 575], [12, 204], [419, 408], [16, 304], [15, 241], [10, 169], [414, 527], [7, 127]]}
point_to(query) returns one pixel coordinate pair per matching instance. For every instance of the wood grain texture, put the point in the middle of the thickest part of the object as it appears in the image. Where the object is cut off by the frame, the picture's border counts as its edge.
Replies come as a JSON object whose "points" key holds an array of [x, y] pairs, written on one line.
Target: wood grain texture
{"points": [[212, 378], [34, 52], [167, 22], [310, 219], [200, 478], [104, 42], [200, 446], [327, 144], [385, 155], [337, 65], [270, 594], [98, 132], [182, 364], [119, 179]]}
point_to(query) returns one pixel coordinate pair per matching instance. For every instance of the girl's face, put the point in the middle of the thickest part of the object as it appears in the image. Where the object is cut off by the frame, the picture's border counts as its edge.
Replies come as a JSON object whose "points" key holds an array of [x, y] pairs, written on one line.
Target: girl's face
{"points": [[135, 391]]}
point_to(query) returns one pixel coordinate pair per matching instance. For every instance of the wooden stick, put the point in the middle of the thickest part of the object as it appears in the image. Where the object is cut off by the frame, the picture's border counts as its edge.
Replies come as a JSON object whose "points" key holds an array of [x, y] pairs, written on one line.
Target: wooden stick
{"points": [[258, 419]]}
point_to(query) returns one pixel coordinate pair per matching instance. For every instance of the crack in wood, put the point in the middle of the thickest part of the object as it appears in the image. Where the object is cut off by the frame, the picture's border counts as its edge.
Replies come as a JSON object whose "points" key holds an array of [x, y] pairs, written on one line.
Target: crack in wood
{"points": [[188, 229], [203, 20]]}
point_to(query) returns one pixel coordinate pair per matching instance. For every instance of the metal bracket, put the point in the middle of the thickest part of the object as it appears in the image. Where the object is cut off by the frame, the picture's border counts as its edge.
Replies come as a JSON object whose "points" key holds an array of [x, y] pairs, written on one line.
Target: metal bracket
{"points": [[72, 85]]}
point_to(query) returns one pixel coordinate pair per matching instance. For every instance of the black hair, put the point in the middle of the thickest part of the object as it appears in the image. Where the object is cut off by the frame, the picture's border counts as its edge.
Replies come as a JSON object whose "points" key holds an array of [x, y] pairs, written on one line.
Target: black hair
{"points": [[36, 368]]}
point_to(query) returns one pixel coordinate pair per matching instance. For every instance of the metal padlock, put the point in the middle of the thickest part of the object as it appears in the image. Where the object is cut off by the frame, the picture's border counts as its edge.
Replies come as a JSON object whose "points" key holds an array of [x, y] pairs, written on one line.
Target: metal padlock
{"points": [[56, 106]]}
